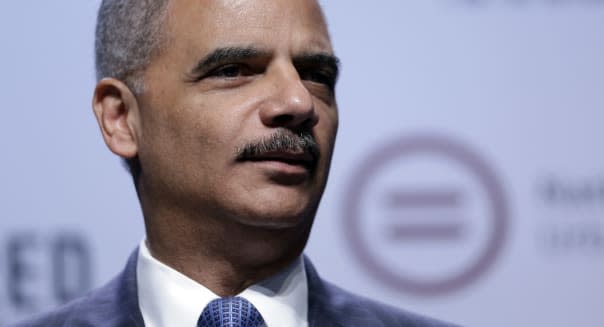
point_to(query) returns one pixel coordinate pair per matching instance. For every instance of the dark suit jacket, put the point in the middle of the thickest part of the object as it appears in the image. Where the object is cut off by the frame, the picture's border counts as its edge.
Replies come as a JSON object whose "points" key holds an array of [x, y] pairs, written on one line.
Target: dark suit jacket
{"points": [[116, 305]]}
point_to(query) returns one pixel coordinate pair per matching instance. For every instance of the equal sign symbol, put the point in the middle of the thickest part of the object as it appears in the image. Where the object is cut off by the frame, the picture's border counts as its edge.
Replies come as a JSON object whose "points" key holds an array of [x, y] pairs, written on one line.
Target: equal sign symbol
{"points": [[425, 215]]}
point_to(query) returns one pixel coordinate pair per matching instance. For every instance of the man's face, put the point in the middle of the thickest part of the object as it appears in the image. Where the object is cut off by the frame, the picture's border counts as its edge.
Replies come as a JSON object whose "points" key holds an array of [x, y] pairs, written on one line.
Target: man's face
{"points": [[234, 75]]}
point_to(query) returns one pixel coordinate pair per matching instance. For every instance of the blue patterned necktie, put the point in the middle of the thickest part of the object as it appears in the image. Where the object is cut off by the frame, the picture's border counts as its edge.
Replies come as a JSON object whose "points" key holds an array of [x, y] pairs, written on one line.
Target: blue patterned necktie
{"points": [[230, 312]]}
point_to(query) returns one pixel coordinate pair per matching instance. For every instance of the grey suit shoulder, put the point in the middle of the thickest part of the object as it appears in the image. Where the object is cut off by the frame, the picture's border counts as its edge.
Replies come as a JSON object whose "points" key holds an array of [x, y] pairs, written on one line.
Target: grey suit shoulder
{"points": [[330, 305], [113, 305], [116, 305]]}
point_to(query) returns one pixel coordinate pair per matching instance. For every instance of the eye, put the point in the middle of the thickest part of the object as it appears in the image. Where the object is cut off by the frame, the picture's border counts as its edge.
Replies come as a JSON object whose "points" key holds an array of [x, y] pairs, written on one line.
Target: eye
{"points": [[230, 71], [319, 76]]}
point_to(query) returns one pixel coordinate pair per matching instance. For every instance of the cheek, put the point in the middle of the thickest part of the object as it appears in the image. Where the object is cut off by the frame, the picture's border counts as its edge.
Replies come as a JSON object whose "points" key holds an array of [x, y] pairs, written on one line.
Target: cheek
{"points": [[208, 134], [192, 121], [327, 127], [174, 135]]}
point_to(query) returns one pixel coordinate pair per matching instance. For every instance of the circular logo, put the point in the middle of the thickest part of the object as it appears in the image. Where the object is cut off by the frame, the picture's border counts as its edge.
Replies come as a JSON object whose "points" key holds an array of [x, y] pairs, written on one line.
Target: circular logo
{"points": [[425, 215]]}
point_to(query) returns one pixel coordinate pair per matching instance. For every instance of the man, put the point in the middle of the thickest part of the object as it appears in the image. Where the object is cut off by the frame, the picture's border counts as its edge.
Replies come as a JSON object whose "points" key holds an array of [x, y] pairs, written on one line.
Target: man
{"points": [[225, 111]]}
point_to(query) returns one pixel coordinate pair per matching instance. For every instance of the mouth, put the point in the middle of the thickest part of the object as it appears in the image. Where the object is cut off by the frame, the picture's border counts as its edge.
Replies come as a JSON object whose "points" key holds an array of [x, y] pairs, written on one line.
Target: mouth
{"points": [[289, 158]]}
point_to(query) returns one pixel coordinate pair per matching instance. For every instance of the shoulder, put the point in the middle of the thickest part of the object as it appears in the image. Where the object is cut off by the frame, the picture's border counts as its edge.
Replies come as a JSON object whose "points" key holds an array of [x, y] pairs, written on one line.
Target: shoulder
{"points": [[115, 304], [62, 315], [331, 304], [358, 310]]}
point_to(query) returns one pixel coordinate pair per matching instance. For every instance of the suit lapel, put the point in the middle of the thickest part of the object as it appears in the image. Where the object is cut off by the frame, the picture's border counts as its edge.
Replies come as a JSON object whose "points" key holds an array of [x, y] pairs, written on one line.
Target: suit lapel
{"points": [[319, 300], [128, 310]]}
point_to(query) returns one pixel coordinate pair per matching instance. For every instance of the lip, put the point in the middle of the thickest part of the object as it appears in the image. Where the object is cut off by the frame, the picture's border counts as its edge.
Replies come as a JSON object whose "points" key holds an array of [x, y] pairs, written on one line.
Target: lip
{"points": [[285, 167], [291, 158]]}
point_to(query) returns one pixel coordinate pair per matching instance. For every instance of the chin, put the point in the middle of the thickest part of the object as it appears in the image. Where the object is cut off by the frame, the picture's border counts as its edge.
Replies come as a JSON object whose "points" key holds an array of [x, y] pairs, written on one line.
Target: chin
{"points": [[278, 214], [278, 219], [273, 206]]}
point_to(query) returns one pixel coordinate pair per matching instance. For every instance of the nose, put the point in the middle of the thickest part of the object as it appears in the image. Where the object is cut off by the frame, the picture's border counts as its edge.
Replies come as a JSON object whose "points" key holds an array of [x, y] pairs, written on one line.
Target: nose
{"points": [[289, 104]]}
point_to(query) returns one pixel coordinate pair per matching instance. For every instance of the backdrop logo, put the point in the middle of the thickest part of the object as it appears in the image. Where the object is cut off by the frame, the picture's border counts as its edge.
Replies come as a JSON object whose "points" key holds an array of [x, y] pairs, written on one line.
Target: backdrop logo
{"points": [[40, 270], [425, 215]]}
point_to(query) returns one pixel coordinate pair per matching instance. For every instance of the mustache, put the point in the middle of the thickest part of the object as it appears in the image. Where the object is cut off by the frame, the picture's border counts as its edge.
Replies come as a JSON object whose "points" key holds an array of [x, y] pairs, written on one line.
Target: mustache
{"points": [[283, 140]]}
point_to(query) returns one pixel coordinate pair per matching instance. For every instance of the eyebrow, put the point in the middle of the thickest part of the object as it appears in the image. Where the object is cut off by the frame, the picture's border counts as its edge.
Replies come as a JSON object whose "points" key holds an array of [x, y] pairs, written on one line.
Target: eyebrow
{"points": [[226, 54], [318, 59], [237, 53]]}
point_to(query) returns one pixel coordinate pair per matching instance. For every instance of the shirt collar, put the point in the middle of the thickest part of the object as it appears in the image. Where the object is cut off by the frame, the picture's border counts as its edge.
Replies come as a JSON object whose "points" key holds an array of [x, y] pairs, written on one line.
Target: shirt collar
{"points": [[169, 298]]}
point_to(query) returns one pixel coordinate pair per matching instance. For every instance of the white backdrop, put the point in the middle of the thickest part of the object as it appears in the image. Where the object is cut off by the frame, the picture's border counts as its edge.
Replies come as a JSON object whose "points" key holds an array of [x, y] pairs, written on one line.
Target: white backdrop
{"points": [[467, 183]]}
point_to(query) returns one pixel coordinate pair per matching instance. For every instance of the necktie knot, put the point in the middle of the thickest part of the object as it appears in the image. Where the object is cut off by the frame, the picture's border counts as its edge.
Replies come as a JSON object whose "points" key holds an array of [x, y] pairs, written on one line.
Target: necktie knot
{"points": [[230, 312]]}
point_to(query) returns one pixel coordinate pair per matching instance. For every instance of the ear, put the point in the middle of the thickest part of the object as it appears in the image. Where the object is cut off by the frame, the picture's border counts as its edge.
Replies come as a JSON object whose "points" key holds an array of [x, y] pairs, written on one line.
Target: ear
{"points": [[117, 113]]}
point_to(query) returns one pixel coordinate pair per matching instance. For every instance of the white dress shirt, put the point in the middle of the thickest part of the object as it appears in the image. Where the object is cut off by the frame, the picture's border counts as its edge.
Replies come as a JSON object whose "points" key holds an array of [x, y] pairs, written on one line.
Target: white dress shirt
{"points": [[167, 298]]}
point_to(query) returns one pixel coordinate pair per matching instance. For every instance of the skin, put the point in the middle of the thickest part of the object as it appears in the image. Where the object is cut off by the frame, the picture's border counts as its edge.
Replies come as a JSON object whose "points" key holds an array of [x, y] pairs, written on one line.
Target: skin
{"points": [[224, 222]]}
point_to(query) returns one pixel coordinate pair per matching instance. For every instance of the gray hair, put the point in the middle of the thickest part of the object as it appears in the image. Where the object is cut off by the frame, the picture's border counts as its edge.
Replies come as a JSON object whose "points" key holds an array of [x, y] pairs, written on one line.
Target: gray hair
{"points": [[128, 35]]}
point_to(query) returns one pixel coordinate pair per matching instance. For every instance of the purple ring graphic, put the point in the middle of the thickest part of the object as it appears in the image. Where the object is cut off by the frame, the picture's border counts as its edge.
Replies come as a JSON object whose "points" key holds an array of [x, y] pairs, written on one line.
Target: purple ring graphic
{"points": [[426, 144]]}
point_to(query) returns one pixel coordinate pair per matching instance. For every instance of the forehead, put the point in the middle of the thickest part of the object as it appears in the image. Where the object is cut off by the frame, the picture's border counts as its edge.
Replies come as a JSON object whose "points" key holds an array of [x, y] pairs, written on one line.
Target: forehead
{"points": [[292, 25]]}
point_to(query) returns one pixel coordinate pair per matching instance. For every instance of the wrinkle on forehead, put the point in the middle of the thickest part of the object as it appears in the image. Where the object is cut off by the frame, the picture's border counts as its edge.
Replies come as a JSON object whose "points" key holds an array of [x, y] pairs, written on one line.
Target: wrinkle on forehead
{"points": [[238, 17]]}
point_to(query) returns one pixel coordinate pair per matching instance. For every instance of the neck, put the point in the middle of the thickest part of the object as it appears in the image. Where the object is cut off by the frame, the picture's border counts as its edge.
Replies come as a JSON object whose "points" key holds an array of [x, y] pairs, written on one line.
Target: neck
{"points": [[224, 255]]}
